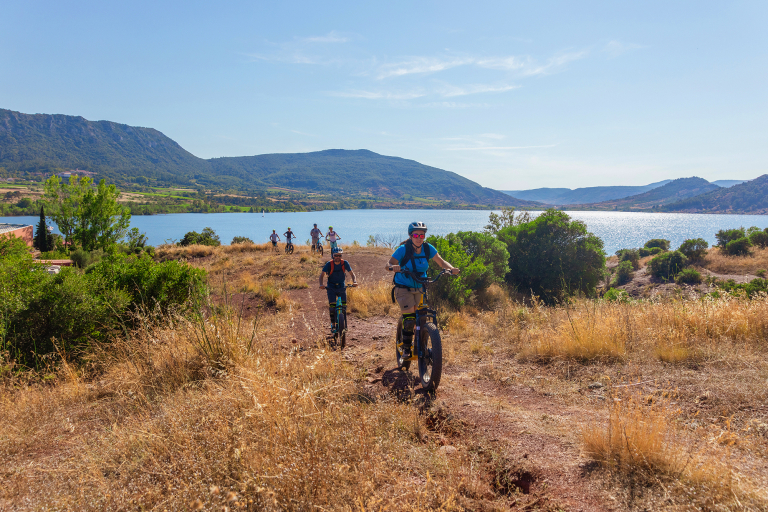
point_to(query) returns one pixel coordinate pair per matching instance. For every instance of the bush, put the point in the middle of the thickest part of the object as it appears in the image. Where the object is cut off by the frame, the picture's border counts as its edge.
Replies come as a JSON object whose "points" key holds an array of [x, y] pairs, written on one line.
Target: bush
{"points": [[759, 238], [688, 276], [482, 259], [667, 265], [553, 256], [658, 242], [630, 255], [727, 235], [84, 259], [738, 247], [241, 240], [760, 273], [754, 287], [624, 273], [206, 237], [44, 313], [694, 248], [614, 295]]}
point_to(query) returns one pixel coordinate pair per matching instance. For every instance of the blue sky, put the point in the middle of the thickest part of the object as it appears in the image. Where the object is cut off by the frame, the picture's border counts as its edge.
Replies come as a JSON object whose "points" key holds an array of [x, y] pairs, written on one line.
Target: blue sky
{"points": [[513, 95]]}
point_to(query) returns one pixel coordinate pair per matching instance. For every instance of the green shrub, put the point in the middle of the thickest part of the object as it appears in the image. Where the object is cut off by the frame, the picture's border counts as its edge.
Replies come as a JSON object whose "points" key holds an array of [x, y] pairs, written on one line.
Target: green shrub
{"points": [[760, 273], [553, 256], [658, 242], [13, 247], [688, 276], [241, 240], [614, 295], [667, 265], [727, 235], [759, 239], [482, 259], [738, 247], [624, 273], [84, 259], [694, 248], [630, 255], [653, 251], [206, 237], [754, 287]]}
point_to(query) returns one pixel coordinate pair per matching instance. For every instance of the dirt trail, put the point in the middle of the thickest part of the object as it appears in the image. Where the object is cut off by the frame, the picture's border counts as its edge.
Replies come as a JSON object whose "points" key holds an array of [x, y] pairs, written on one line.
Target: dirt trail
{"points": [[535, 432]]}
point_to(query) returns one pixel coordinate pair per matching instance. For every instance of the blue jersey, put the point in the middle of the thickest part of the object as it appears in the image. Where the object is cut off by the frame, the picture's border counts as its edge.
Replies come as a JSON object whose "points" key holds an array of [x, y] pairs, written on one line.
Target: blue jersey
{"points": [[336, 278], [422, 264]]}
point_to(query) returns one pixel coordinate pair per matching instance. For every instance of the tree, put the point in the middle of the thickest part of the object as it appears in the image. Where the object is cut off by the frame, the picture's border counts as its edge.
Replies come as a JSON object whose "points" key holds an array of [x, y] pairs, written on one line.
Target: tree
{"points": [[694, 248], [662, 243], [42, 237], [667, 265], [207, 237], [727, 235], [553, 256], [507, 217], [94, 219], [103, 221]]}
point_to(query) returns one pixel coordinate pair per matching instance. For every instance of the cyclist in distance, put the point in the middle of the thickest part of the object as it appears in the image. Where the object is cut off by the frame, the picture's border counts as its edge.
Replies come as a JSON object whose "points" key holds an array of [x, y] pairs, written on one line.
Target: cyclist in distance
{"points": [[332, 236], [288, 236], [413, 255], [274, 237], [315, 234], [336, 269]]}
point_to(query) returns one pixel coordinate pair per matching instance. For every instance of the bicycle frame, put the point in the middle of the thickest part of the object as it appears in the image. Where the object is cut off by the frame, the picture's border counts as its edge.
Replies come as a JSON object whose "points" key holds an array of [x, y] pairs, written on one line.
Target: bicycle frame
{"points": [[423, 312]]}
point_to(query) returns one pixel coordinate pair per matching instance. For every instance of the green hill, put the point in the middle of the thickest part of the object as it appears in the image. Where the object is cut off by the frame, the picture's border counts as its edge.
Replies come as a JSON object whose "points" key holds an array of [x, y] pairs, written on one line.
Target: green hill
{"points": [[673, 191], [582, 195], [748, 197], [43, 144]]}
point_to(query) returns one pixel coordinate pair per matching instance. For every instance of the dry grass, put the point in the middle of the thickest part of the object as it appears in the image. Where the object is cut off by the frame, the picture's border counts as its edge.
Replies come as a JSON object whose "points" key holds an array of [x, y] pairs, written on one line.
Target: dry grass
{"points": [[642, 441], [371, 300], [718, 262], [211, 413]]}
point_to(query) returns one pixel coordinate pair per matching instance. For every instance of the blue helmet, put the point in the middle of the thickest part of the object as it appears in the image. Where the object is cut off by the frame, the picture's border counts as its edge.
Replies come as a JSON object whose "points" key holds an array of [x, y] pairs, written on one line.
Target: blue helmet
{"points": [[337, 250], [416, 226]]}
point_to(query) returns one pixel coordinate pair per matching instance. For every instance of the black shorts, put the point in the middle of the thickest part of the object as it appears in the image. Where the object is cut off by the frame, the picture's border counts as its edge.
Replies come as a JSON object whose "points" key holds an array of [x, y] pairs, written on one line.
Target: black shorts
{"points": [[274, 243]]}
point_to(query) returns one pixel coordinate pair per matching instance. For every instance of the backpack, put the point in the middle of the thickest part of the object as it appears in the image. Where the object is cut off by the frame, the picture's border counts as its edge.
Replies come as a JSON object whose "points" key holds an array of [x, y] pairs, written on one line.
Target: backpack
{"points": [[332, 266], [408, 256]]}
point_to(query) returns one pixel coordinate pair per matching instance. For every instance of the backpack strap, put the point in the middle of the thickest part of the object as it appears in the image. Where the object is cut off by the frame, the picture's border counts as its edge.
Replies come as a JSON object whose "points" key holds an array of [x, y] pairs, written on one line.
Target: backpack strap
{"points": [[332, 267]]}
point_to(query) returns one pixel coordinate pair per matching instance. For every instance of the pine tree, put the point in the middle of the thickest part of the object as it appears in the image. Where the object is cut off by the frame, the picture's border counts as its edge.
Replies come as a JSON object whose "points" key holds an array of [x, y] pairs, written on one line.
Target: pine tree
{"points": [[41, 236]]}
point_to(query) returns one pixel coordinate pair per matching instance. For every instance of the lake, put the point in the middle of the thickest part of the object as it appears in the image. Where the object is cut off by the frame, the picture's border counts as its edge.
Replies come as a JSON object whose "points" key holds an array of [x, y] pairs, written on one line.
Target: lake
{"points": [[617, 229]]}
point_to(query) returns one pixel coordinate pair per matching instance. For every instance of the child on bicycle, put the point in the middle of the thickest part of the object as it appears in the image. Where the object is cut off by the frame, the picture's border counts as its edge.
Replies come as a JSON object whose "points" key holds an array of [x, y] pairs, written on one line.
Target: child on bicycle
{"points": [[413, 255], [332, 236], [288, 236], [336, 270], [315, 234], [274, 237]]}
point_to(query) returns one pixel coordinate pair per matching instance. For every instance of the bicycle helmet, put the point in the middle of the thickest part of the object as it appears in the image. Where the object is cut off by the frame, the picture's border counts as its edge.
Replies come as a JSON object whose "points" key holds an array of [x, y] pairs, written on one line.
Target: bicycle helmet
{"points": [[416, 226], [330, 227], [337, 250]]}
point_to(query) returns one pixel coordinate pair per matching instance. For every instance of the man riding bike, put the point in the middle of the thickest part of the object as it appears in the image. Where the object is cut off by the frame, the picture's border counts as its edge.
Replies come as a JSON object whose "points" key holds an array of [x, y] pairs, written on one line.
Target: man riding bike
{"points": [[315, 234], [332, 236], [413, 255], [336, 270], [274, 237], [288, 236]]}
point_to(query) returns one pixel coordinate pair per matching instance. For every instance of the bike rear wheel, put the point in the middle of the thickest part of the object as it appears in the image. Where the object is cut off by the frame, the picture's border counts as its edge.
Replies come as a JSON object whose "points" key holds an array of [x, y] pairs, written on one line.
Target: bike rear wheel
{"points": [[404, 364], [341, 330], [431, 362], [320, 249]]}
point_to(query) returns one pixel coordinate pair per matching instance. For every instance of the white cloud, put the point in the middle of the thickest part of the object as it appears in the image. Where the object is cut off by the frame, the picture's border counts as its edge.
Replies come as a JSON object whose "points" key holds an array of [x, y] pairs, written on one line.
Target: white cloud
{"points": [[330, 37], [492, 136], [449, 91], [379, 95], [420, 65], [616, 48], [497, 148]]}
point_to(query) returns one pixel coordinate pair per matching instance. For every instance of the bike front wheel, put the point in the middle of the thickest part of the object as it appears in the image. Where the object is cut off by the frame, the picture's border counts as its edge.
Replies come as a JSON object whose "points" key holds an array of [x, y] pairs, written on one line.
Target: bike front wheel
{"points": [[341, 330], [320, 249], [431, 361]]}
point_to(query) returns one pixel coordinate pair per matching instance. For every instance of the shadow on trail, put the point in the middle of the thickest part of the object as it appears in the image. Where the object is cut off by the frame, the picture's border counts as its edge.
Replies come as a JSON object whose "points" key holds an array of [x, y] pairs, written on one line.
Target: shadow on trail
{"points": [[405, 386]]}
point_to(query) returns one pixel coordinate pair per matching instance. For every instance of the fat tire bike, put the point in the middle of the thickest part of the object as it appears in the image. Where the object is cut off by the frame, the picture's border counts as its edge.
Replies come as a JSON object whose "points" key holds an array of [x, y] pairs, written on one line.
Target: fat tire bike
{"points": [[338, 337], [426, 346], [289, 248], [317, 248], [276, 249]]}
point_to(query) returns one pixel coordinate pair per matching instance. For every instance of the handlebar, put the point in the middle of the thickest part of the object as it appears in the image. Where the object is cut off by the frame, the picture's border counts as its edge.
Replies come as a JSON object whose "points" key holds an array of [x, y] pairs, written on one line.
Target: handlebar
{"points": [[416, 277]]}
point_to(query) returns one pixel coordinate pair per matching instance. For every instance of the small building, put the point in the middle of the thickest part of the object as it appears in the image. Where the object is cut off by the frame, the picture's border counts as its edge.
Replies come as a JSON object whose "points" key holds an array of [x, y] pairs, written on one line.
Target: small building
{"points": [[23, 231]]}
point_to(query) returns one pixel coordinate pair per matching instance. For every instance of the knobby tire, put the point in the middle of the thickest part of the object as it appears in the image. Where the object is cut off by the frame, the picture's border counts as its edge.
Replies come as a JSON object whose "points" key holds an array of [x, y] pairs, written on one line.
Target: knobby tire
{"points": [[431, 365], [398, 355]]}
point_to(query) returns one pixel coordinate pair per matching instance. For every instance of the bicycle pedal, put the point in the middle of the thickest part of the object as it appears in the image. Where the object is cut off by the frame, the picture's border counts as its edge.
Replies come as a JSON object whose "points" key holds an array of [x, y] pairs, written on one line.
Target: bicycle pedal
{"points": [[414, 357]]}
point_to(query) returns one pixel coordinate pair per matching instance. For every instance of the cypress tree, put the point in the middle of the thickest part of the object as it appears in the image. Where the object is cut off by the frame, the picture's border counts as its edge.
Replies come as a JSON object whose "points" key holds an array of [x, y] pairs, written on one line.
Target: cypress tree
{"points": [[41, 236]]}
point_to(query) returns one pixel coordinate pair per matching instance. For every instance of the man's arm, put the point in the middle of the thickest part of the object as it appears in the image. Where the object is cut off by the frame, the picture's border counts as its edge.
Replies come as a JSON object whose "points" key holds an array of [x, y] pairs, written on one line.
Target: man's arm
{"points": [[322, 275]]}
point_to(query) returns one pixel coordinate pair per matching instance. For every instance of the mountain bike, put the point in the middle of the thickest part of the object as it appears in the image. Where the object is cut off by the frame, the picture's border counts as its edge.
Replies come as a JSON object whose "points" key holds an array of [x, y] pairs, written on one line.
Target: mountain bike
{"points": [[317, 247], [289, 248], [276, 249], [426, 347], [338, 336]]}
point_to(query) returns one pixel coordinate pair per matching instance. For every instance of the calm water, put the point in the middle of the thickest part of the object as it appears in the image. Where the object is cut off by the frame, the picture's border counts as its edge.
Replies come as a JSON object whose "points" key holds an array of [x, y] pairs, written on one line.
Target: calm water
{"points": [[617, 229]]}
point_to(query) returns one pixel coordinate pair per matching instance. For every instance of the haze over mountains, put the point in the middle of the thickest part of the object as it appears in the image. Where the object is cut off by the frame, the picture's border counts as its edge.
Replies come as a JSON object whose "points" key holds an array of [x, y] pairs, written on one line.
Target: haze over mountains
{"points": [[122, 153]]}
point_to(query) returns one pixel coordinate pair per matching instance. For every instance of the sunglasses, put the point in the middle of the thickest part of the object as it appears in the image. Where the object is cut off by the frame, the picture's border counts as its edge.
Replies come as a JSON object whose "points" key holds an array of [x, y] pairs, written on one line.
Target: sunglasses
{"points": [[419, 235]]}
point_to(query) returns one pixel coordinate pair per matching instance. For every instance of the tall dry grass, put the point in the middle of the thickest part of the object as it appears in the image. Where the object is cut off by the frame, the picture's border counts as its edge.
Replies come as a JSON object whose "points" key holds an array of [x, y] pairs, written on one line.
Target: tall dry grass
{"points": [[371, 299], [208, 413], [719, 262]]}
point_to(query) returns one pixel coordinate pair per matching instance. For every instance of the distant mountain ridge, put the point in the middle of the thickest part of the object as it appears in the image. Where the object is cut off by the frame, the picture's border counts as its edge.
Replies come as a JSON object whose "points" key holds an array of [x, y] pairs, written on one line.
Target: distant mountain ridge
{"points": [[748, 197], [50, 143], [564, 196], [675, 190]]}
